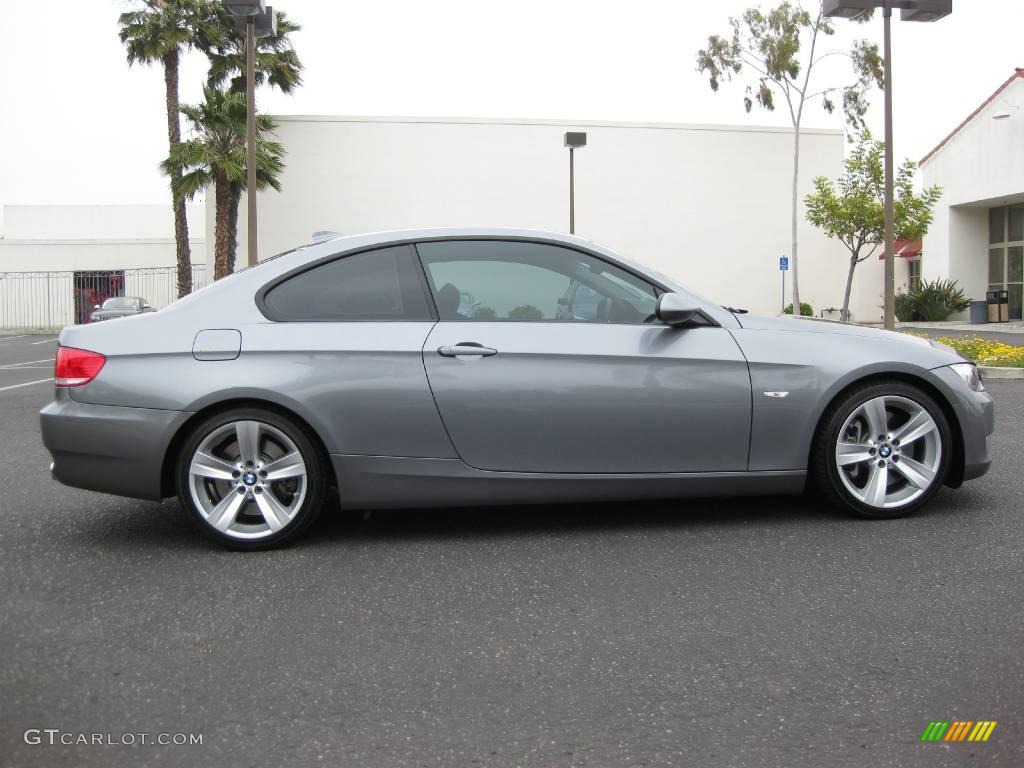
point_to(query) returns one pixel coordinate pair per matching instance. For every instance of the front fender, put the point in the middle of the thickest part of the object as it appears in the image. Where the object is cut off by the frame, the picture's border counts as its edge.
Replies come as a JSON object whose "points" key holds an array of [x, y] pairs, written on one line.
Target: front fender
{"points": [[812, 368]]}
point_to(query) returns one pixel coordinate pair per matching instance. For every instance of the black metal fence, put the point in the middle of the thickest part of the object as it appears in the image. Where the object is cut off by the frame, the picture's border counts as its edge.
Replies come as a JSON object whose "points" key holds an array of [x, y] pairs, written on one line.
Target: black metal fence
{"points": [[51, 300]]}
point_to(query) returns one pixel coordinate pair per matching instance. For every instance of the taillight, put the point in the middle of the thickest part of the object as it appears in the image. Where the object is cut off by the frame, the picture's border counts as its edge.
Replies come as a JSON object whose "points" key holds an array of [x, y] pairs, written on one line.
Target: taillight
{"points": [[75, 367]]}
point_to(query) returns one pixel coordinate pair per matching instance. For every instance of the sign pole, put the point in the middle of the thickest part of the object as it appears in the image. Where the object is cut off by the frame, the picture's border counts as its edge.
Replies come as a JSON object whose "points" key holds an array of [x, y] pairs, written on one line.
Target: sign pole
{"points": [[783, 268]]}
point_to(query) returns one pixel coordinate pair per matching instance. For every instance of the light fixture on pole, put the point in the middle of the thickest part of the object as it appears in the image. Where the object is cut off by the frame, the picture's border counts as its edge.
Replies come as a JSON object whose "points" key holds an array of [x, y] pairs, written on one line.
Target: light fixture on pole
{"points": [[911, 10], [258, 20], [573, 140]]}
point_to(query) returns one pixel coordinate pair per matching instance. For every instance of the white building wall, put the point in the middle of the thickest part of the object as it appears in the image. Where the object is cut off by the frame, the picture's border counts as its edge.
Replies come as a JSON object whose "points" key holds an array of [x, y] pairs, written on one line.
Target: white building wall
{"points": [[97, 222], [45, 245], [708, 205], [979, 167]]}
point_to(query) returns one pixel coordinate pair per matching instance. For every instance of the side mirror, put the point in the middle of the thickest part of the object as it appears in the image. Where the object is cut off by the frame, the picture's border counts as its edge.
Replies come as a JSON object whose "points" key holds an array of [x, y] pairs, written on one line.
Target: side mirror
{"points": [[146, 306], [674, 310]]}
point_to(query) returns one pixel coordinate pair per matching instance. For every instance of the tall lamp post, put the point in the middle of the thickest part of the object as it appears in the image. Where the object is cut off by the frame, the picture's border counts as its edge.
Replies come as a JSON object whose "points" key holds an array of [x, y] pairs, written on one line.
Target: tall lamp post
{"points": [[259, 21], [911, 10], [573, 140]]}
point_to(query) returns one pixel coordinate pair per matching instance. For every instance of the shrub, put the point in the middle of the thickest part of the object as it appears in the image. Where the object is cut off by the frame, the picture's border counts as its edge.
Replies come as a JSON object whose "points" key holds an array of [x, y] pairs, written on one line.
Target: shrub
{"points": [[931, 302], [806, 310]]}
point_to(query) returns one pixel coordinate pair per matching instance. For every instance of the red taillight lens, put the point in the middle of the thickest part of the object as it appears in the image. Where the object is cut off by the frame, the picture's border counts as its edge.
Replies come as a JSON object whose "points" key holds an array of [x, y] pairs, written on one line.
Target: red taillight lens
{"points": [[75, 367]]}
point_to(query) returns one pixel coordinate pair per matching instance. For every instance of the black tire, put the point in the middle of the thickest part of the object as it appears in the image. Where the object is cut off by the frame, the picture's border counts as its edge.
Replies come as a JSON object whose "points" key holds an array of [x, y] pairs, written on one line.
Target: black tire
{"points": [[314, 483], [823, 464]]}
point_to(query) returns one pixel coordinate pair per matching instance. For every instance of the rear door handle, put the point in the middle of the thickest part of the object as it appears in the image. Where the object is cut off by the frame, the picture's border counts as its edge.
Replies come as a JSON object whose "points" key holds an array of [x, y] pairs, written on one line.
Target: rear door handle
{"points": [[466, 348]]}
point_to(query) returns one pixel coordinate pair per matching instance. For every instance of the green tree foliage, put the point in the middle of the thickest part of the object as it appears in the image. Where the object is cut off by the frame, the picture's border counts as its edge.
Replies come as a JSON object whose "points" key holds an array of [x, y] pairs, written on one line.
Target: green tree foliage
{"points": [[525, 312], [215, 157], [852, 210], [778, 52], [158, 31]]}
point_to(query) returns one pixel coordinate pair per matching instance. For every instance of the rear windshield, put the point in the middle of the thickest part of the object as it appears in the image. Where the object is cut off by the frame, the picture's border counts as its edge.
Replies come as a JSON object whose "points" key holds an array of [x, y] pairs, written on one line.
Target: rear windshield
{"points": [[121, 302]]}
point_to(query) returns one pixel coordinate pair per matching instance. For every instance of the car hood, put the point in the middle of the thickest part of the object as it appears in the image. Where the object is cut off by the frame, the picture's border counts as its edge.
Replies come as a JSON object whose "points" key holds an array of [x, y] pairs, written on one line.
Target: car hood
{"points": [[892, 341]]}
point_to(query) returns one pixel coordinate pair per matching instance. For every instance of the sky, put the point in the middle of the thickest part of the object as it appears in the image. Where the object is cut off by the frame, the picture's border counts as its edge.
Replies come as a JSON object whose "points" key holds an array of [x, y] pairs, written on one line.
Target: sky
{"points": [[79, 127]]}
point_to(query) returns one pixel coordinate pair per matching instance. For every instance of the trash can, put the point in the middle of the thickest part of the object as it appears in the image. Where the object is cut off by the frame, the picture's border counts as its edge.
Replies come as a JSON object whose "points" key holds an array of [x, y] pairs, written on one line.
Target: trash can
{"points": [[992, 300], [1004, 306], [979, 312]]}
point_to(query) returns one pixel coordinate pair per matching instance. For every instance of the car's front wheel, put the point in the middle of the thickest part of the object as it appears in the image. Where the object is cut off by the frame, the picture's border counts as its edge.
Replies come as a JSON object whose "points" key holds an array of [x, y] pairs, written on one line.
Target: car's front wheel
{"points": [[251, 478], [883, 450]]}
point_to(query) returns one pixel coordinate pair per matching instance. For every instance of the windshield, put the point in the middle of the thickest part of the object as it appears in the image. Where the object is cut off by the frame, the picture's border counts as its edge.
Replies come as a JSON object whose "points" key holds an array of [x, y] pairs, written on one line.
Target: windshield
{"points": [[121, 302]]}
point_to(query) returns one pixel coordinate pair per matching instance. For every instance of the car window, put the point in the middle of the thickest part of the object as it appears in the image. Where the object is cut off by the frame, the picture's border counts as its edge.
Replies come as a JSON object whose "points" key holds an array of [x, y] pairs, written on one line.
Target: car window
{"points": [[500, 280], [374, 285]]}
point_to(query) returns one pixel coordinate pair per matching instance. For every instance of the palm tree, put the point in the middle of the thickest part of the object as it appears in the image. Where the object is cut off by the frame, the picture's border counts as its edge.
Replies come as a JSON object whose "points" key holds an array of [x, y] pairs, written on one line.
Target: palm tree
{"points": [[158, 32], [215, 157], [276, 64]]}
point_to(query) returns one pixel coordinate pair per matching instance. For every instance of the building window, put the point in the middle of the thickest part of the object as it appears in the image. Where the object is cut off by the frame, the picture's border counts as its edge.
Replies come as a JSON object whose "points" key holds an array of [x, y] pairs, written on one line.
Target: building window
{"points": [[1006, 255], [914, 278]]}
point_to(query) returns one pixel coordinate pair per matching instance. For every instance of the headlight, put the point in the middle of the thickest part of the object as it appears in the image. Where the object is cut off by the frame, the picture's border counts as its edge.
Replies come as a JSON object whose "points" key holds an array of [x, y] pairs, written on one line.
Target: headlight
{"points": [[970, 374]]}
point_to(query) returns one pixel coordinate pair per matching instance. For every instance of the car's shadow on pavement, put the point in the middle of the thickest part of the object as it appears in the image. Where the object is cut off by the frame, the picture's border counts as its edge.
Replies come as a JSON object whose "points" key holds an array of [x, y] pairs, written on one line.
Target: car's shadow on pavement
{"points": [[165, 525]]}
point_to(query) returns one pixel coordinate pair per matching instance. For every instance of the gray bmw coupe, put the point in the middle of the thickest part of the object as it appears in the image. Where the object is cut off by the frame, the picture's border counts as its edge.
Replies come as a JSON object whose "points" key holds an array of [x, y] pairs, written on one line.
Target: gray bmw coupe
{"points": [[478, 367]]}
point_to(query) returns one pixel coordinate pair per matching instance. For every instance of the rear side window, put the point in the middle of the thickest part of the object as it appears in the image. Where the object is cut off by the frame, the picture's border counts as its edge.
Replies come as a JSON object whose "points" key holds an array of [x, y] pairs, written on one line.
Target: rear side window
{"points": [[377, 285]]}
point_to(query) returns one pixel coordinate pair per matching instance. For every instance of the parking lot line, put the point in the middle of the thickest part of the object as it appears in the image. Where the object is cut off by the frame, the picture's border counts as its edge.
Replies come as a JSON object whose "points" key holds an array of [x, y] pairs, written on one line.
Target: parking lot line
{"points": [[26, 384], [27, 362], [44, 341], [8, 338]]}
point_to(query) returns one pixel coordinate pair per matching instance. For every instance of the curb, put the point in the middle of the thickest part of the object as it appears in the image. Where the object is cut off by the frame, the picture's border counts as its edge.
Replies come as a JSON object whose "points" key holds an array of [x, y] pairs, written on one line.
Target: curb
{"points": [[994, 372]]}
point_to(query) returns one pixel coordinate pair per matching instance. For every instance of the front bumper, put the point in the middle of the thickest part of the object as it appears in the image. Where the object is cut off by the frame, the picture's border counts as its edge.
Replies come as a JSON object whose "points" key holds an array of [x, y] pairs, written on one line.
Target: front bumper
{"points": [[975, 413], [108, 448]]}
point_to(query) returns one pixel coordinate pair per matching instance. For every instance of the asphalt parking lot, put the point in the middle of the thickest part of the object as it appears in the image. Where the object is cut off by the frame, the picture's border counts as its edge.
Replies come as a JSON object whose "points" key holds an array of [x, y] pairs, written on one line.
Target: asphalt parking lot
{"points": [[755, 632]]}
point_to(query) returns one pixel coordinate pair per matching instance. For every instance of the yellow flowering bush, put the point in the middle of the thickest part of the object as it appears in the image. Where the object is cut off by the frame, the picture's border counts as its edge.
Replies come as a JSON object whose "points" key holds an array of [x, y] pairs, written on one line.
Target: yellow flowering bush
{"points": [[984, 351]]}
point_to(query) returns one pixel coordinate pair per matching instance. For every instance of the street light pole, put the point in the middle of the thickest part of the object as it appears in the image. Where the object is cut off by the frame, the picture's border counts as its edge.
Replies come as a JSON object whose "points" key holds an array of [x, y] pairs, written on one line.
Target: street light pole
{"points": [[250, 135], [911, 10], [256, 19], [573, 140], [889, 316], [572, 192]]}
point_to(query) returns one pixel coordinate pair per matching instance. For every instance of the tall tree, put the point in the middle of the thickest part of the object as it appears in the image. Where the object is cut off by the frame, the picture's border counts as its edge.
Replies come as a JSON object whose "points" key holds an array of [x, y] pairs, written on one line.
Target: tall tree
{"points": [[852, 210], [159, 31], [277, 64], [215, 157], [780, 52]]}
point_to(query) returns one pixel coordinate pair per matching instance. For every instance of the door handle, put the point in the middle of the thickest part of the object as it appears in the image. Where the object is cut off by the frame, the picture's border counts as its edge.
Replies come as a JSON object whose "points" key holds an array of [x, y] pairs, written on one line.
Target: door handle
{"points": [[466, 348]]}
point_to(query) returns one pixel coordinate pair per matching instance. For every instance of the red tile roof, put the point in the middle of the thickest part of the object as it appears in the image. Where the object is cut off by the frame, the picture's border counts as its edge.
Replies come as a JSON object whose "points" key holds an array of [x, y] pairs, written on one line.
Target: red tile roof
{"points": [[1018, 74]]}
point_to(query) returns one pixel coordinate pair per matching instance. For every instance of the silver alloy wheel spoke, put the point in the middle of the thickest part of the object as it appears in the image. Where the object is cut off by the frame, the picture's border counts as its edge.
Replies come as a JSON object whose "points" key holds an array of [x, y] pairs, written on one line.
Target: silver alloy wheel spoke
{"points": [[874, 413], [274, 514], [889, 452], [205, 465], [878, 482], [248, 433], [289, 465], [852, 453], [920, 424], [916, 473], [224, 514]]}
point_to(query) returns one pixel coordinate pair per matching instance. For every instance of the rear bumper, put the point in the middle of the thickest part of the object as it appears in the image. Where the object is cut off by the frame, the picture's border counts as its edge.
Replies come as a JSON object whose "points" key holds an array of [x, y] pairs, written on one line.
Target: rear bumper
{"points": [[107, 448]]}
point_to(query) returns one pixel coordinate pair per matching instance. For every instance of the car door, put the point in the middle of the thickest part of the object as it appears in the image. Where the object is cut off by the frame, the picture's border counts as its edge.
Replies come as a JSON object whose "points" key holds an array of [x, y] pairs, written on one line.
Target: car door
{"points": [[528, 384]]}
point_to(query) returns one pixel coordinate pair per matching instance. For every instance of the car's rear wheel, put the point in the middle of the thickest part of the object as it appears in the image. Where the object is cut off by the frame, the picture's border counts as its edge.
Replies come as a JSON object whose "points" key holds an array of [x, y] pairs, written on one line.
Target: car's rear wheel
{"points": [[883, 450], [251, 478]]}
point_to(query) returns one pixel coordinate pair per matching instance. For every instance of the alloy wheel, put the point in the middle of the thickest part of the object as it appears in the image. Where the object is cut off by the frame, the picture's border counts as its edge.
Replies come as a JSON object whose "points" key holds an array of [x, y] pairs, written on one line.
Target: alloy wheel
{"points": [[889, 452], [248, 479]]}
